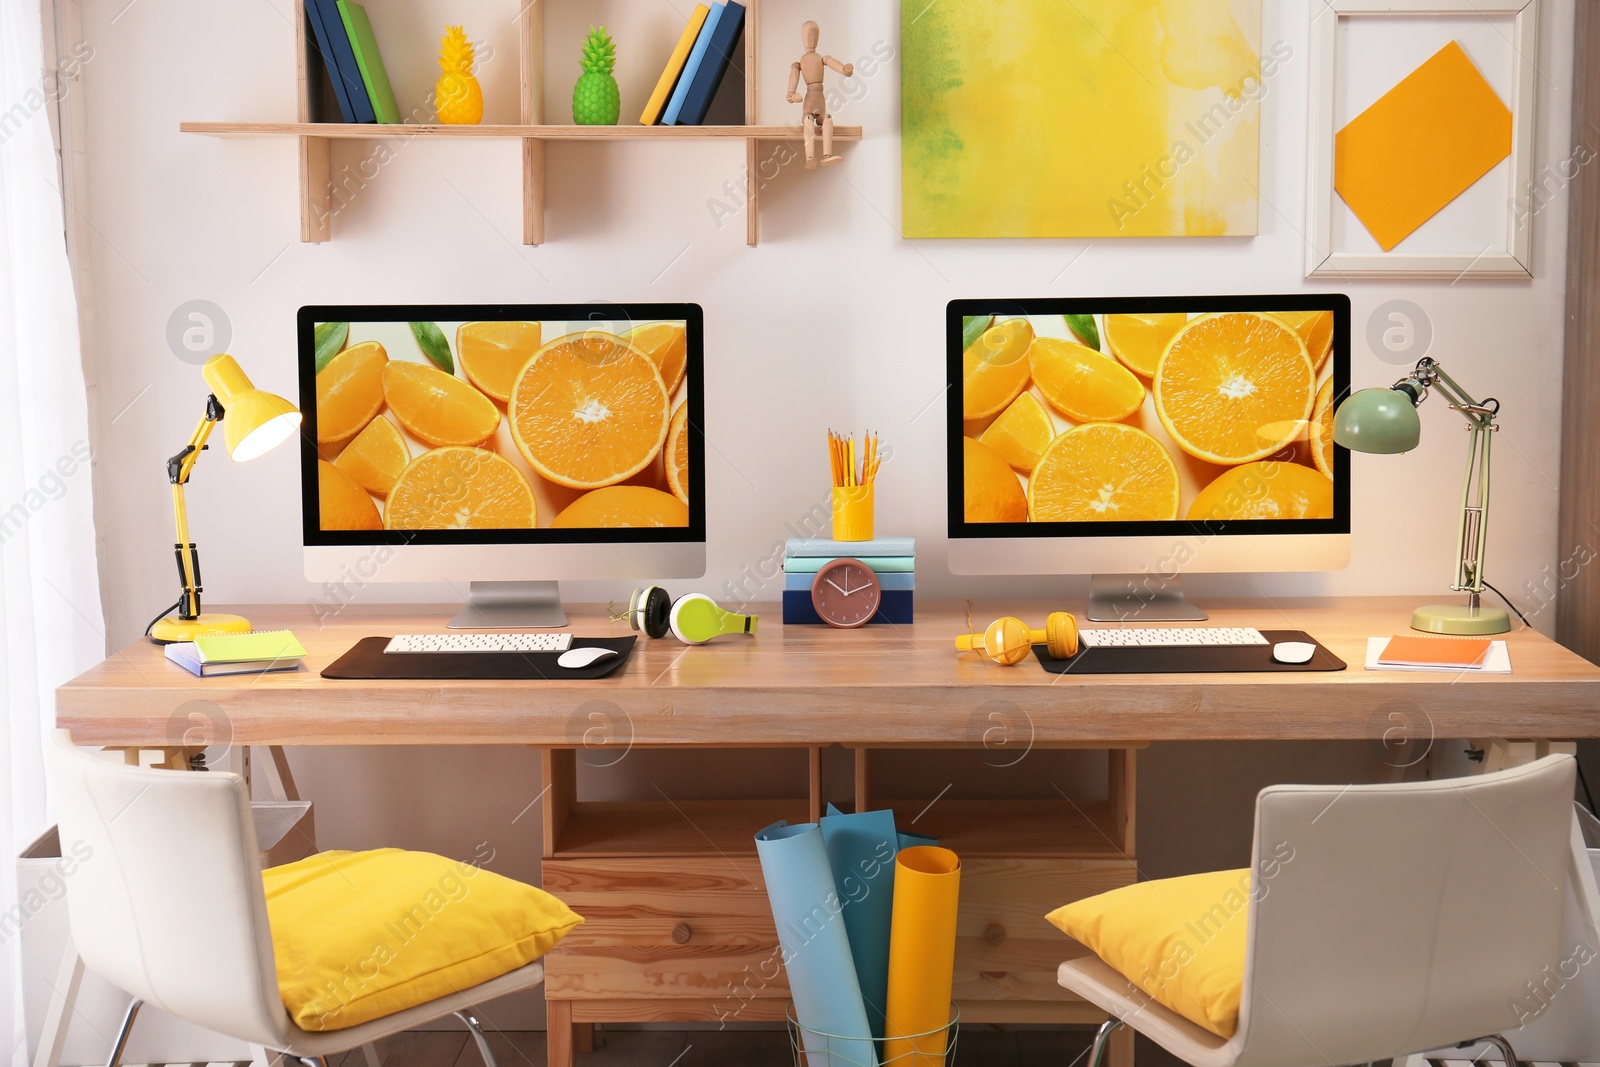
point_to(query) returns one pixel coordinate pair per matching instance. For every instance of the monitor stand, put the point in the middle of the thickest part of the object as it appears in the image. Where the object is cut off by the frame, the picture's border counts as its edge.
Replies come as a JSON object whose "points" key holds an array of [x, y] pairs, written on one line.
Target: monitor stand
{"points": [[511, 606], [1140, 599]]}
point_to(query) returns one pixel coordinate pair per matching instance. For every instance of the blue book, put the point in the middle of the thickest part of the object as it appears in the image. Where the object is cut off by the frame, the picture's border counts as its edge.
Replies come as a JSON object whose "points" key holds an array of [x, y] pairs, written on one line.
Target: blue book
{"points": [[797, 609], [709, 76], [900, 581], [821, 546], [702, 44], [334, 44], [880, 564]]}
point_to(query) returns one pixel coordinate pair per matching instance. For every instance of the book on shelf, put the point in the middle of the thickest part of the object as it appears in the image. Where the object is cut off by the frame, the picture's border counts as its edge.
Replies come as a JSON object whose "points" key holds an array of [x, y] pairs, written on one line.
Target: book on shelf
{"points": [[697, 55], [674, 68], [333, 44], [365, 46], [714, 66]]}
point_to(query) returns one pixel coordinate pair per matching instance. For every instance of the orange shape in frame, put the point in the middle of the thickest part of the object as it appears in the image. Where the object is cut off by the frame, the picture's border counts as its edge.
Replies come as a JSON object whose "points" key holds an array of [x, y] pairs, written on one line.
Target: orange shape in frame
{"points": [[1421, 145]]}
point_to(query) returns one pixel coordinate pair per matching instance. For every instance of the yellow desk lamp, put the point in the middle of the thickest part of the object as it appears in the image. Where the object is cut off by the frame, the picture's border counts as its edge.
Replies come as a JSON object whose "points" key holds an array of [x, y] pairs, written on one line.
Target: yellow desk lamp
{"points": [[254, 424]]}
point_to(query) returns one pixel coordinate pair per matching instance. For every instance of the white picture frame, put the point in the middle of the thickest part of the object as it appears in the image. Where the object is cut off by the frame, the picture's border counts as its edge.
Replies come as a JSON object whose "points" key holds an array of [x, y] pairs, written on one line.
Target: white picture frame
{"points": [[1327, 256]]}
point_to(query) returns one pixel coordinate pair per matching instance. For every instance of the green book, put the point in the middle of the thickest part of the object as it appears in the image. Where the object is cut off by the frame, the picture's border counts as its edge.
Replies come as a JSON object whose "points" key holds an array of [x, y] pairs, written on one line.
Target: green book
{"points": [[255, 646], [365, 47]]}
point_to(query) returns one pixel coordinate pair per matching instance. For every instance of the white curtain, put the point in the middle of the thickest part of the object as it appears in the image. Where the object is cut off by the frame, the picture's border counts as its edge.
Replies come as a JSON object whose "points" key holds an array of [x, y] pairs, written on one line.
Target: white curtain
{"points": [[51, 623]]}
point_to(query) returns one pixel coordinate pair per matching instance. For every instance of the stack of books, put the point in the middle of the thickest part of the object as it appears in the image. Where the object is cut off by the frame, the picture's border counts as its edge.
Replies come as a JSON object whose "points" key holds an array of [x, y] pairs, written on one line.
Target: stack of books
{"points": [[892, 559], [257, 652], [694, 73], [343, 37]]}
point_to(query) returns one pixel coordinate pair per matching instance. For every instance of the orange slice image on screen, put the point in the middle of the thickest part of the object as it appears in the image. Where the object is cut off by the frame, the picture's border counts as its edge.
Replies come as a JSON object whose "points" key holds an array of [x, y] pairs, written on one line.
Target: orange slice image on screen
{"points": [[589, 410], [1322, 429], [1139, 340], [1265, 491], [493, 353], [375, 457], [439, 408], [667, 345], [622, 506], [1104, 472], [350, 392], [677, 454], [461, 488], [341, 503], [990, 490], [1021, 433], [994, 371], [1234, 387], [1315, 329], [1083, 384]]}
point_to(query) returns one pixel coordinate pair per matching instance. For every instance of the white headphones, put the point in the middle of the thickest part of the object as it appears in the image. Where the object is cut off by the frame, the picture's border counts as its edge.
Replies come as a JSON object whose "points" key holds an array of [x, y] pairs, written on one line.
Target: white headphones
{"points": [[693, 618]]}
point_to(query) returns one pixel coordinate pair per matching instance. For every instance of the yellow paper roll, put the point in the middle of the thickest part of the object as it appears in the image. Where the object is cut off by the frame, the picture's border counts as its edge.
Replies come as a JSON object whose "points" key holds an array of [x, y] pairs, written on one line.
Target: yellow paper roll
{"points": [[922, 956]]}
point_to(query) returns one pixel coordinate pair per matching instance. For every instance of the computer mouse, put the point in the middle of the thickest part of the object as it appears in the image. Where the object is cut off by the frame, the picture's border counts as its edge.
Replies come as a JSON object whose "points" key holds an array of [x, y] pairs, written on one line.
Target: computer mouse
{"points": [[577, 658], [1283, 651]]}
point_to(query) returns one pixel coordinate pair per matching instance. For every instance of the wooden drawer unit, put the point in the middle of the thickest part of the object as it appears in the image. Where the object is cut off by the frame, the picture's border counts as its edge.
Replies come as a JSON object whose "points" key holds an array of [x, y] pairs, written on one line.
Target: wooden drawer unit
{"points": [[666, 927], [1005, 950]]}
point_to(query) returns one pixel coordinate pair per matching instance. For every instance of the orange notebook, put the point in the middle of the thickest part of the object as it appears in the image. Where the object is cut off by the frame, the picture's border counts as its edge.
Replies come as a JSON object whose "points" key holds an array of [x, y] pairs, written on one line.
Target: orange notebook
{"points": [[1465, 652]]}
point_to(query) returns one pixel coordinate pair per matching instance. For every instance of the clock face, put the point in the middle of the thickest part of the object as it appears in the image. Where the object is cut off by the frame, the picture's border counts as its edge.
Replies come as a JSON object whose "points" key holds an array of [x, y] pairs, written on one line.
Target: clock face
{"points": [[846, 594]]}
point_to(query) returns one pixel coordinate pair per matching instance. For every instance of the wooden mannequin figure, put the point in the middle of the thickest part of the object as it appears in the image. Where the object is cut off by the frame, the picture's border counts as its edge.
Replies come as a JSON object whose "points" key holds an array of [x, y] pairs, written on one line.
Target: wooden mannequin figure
{"points": [[812, 67]]}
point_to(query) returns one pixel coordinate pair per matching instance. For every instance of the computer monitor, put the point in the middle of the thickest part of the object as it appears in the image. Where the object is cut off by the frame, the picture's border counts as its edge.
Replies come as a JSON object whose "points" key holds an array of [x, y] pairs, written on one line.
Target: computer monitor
{"points": [[505, 446], [1139, 439]]}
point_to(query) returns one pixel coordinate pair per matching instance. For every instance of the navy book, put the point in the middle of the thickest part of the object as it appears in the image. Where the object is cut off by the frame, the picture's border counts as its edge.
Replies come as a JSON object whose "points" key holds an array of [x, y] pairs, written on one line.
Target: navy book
{"points": [[340, 59], [797, 609], [706, 80]]}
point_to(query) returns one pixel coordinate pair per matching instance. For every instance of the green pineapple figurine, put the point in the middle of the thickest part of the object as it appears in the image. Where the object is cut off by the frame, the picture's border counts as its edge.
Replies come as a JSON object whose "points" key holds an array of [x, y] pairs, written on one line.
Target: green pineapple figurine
{"points": [[596, 101]]}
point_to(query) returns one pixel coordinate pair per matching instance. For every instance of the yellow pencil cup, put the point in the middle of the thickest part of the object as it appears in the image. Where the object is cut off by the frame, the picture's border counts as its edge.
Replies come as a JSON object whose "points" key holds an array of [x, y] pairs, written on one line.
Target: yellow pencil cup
{"points": [[852, 513]]}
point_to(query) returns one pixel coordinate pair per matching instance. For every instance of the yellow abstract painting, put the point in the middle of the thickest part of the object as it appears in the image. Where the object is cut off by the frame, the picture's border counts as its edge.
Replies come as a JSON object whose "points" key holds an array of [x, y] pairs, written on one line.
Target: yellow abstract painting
{"points": [[1089, 118]]}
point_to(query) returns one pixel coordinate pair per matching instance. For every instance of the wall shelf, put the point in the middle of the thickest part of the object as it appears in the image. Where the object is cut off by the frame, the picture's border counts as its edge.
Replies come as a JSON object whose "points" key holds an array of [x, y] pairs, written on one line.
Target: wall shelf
{"points": [[315, 139]]}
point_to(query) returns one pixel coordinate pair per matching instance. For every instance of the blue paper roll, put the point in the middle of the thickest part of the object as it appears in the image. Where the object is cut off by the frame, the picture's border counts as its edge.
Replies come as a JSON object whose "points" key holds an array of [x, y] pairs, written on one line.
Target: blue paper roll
{"points": [[809, 914], [861, 850]]}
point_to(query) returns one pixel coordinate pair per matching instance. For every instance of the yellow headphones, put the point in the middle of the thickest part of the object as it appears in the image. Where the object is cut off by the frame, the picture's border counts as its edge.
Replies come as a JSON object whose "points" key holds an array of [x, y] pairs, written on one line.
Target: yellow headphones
{"points": [[1009, 640]]}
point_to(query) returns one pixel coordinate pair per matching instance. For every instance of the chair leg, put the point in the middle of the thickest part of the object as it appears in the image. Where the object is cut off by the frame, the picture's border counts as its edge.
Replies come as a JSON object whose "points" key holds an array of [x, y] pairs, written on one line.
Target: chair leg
{"points": [[1502, 1046], [483, 1042], [1102, 1039], [121, 1042]]}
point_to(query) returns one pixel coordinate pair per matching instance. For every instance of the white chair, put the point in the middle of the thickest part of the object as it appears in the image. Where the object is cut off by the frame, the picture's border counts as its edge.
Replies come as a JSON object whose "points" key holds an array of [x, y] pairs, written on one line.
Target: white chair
{"points": [[1410, 918], [170, 908]]}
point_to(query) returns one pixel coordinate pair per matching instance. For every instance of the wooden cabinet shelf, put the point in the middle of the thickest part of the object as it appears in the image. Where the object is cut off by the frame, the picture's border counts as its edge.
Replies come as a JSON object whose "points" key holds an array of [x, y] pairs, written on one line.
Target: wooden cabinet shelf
{"points": [[316, 138], [596, 828]]}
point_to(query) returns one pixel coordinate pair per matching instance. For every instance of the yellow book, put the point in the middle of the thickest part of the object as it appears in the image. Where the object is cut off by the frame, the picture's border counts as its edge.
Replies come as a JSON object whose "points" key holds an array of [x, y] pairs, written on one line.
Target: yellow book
{"points": [[669, 77]]}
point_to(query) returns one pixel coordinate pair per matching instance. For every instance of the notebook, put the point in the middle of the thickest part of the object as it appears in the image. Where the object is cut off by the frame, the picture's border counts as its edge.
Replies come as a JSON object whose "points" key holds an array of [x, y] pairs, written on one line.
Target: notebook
{"points": [[702, 44], [334, 44], [1463, 656], [713, 66], [373, 75], [251, 653]]}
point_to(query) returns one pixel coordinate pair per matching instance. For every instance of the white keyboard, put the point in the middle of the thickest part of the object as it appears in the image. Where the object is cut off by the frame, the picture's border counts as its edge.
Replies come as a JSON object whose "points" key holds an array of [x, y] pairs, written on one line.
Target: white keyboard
{"points": [[1170, 637], [477, 642]]}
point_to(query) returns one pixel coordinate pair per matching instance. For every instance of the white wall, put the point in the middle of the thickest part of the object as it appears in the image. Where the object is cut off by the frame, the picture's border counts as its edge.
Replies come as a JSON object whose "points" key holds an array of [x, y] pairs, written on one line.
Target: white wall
{"points": [[833, 321]]}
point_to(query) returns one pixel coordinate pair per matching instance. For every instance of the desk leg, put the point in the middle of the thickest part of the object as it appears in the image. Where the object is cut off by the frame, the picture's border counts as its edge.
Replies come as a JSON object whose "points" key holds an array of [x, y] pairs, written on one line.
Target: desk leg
{"points": [[1119, 1050], [558, 1035], [583, 1037], [63, 1001]]}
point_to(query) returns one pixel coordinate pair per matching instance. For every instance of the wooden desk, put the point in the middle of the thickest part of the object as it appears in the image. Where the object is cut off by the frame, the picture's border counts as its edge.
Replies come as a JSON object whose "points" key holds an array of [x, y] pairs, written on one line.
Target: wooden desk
{"points": [[678, 921]]}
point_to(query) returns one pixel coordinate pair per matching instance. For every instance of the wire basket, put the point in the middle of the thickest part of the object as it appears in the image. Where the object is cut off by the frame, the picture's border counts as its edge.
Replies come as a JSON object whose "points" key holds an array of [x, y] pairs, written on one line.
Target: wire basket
{"points": [[816, 1048]]}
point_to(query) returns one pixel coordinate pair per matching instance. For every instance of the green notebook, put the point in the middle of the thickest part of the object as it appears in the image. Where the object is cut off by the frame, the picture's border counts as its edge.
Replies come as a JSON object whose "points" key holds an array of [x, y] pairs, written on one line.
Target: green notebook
{"points": [[270, 645], [365, 47]]}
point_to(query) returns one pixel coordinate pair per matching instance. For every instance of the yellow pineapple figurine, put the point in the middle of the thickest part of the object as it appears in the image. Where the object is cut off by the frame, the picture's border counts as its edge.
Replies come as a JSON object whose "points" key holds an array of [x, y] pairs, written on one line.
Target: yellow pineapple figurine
{"points": [[458, 95]]}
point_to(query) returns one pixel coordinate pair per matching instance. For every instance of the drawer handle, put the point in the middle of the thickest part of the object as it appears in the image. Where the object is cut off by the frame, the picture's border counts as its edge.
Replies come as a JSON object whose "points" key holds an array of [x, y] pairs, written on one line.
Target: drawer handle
{"points": [[682, 932], [994, 934]]}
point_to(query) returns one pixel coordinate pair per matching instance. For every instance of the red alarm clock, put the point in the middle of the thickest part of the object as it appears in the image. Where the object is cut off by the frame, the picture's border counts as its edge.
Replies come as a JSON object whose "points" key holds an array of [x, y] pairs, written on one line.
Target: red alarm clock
{"points": [[846, 594]]}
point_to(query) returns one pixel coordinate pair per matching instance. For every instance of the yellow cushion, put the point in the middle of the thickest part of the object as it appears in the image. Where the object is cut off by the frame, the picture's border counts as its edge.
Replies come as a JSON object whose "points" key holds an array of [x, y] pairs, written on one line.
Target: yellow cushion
{"points": [[1181, 940], [362, 935]]}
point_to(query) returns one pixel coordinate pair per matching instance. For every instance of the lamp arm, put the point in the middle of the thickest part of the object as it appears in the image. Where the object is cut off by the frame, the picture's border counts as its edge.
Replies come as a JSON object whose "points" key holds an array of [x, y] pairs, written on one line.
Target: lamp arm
{"points": [[1472, 533], [1478, 413], [178, 470]]}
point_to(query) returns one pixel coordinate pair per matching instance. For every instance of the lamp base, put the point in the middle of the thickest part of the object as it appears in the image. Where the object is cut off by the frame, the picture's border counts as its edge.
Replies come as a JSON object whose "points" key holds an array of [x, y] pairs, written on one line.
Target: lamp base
{"points": [[173, 629], [1460, 620]]}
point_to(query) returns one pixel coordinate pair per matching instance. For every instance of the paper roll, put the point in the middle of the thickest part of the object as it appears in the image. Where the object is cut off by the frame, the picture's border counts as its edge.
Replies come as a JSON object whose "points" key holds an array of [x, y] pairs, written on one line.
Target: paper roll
{"points": [[922, 956], [861, 850], [809, 913]]}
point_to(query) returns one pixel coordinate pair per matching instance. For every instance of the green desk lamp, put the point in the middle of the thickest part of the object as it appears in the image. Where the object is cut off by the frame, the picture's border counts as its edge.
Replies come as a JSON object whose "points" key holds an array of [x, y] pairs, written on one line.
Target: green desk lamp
{"points": [[254, 424], [1385, 421]]}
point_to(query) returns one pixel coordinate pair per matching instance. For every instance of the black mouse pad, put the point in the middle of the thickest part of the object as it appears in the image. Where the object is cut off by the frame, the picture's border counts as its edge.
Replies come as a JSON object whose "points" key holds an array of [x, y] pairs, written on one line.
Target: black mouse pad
{"points": [[368, 660], [1226, 659]]}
